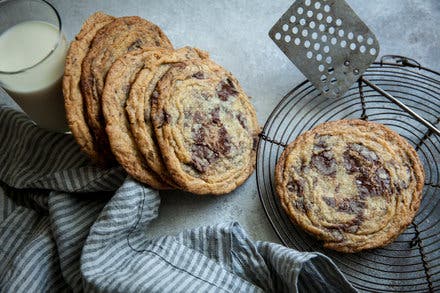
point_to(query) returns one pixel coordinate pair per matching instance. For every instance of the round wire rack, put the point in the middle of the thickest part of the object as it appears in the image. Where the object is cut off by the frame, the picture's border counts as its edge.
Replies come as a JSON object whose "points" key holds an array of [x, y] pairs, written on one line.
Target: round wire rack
{"points": [[412, 262]]}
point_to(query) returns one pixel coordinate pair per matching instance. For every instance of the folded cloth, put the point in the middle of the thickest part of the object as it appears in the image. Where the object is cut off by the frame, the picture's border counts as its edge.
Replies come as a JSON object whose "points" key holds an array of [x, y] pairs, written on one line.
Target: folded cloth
{"points": [[66, 225]]}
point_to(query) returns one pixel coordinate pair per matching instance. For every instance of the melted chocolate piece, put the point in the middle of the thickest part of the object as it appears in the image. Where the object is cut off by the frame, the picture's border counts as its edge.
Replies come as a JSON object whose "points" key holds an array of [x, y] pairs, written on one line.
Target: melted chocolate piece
{"points": [[364, 151], [296, 187], [321, 143], [198, 118], [215, 114], [199, 75], [330, 201], [135, 45], [202, 157], [365, 186], [383, 180], [352, 163], [224, 141], [242, 121], [345, 205], [199, 135], [325, 163], [210, 141], [226, 89]]}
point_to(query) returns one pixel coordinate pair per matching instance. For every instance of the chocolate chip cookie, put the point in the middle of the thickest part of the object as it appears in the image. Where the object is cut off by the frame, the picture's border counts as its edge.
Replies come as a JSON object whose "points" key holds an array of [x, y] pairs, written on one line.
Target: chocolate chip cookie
{"points": [[205, 126], [122, 35], [353, 184], [116, 91], [73, 98], [139, 106]]}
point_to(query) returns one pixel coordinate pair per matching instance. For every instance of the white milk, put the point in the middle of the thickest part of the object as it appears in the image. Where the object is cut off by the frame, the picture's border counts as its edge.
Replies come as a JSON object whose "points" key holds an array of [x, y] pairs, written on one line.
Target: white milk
{"points": [[38, 89]]}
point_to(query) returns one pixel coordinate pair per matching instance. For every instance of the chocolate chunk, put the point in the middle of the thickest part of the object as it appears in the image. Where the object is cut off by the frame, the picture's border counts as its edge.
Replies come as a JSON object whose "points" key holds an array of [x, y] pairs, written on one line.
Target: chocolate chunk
{"points": [[364, 151], [383, 180], [215, 114], [242, 121], [345, 205], [376, 184], [226, 89], [198, 75], [357, 157], [202, 157], [321, 143], [224, 141], [325, 163], [198, 118], [207, 147], [365, 186], [352, 163], [295, 186], [135, 45], [199, 135], [351, 206], [330, 201]]}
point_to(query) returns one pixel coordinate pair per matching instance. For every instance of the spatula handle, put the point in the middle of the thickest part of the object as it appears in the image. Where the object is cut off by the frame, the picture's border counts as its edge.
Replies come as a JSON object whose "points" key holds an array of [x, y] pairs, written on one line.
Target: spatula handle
{"points": [[401, 105]]}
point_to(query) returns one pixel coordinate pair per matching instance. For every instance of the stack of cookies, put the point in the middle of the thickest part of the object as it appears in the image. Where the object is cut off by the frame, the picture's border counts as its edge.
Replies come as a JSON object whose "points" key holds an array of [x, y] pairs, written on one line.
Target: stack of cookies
{"points": [[171, 118]]}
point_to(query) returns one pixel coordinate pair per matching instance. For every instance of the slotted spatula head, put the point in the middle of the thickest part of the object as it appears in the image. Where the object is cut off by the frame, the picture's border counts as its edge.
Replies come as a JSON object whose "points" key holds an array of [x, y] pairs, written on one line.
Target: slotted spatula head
{"points": [[327, 41]]}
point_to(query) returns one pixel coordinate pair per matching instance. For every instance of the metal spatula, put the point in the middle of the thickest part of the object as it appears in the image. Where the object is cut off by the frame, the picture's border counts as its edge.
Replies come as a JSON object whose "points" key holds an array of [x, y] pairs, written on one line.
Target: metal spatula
{"points": [[331, 46]]}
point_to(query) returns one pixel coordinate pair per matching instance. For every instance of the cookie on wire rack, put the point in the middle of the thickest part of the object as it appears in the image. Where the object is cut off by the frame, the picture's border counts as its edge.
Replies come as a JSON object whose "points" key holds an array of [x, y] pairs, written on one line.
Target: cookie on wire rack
{"points": [[353, 184]]}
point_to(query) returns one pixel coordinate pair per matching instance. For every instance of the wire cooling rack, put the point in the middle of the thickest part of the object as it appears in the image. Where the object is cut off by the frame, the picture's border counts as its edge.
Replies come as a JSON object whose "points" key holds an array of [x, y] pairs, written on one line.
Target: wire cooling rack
{"points": [[412, 262]]}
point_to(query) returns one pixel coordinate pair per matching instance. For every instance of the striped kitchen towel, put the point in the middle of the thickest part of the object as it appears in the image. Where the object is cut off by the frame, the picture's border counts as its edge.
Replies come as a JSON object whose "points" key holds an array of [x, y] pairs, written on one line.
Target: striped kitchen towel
{"points": [[68, 226]]}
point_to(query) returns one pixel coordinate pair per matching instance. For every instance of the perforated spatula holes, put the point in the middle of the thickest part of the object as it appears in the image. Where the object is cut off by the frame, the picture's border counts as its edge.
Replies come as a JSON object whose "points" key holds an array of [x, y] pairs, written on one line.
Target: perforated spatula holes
{"points": [[319, 36]]}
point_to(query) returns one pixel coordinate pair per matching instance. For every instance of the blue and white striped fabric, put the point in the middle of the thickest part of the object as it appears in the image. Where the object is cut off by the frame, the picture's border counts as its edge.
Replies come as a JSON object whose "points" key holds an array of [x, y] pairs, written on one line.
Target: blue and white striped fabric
{"points": [[68, 226]]}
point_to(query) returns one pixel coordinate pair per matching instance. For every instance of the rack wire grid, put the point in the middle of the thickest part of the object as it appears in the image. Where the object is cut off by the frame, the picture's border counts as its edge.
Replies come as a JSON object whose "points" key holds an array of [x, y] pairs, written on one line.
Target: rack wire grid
{"points": [[412, 262]]}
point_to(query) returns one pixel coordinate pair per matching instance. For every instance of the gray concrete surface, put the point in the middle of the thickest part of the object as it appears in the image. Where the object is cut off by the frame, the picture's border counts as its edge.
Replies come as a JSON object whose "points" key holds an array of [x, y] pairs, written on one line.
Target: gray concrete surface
{"points": [[235, 33]]}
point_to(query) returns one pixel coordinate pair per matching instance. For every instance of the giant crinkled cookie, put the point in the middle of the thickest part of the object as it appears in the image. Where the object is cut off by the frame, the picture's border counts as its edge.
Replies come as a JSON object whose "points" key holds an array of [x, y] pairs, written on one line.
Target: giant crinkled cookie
{"points": [[139, 106], [120, 36], [205, 126], [73, 98], [353, 184], [118, 86]]}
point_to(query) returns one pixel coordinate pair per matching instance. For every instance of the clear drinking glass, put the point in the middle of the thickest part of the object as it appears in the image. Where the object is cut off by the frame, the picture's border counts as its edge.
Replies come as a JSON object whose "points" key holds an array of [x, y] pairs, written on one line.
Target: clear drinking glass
{"points": [[32, 53]]}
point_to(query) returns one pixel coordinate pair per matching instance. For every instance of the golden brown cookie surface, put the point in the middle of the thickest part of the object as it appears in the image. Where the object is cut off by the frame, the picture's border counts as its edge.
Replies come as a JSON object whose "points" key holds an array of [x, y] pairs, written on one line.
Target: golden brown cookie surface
{"points": [[122, 35], [353, 184], [116, 92], [205, 126], [139, 106], [73, 98]]}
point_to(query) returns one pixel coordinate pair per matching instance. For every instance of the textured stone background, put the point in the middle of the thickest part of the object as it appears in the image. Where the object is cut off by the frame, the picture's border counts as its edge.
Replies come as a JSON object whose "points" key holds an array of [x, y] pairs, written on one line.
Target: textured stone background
{"points": [[235, 33]]}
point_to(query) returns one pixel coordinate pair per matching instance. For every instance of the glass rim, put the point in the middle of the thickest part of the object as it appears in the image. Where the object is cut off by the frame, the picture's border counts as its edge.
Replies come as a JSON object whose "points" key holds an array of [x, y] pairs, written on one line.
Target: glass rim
{"points": [[60, 35]]}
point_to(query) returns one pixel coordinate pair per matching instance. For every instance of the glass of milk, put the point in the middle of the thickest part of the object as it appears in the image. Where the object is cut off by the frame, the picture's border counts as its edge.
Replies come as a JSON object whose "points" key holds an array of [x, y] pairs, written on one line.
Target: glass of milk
{"points": [[32, 52]]}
